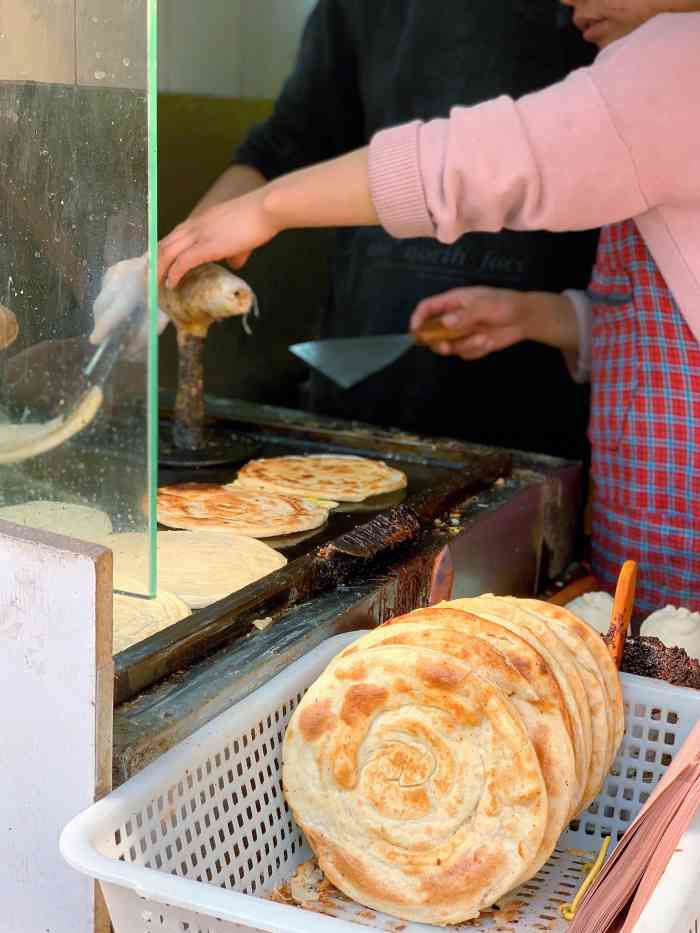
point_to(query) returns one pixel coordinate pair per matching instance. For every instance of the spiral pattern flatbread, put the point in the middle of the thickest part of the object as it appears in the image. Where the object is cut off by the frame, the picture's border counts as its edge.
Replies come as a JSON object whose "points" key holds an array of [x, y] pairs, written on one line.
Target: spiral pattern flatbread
{"points": [[509, 663], [245, 511], [435, 763], [415, 784], [560, 662], [339, 477]]}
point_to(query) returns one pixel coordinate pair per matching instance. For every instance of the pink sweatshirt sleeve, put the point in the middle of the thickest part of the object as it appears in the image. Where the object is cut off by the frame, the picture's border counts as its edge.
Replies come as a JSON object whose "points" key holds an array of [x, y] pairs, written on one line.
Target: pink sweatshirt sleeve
{"points": [[608, 143]]}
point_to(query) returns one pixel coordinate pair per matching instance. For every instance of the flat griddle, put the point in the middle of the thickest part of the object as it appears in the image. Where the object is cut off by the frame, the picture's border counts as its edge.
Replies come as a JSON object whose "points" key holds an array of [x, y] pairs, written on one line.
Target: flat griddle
{"points": [[358, 542]]}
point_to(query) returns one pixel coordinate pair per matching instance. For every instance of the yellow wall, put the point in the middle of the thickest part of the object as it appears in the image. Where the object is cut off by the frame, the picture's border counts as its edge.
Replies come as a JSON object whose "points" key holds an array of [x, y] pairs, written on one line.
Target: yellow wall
{"points": [[196, 136]]}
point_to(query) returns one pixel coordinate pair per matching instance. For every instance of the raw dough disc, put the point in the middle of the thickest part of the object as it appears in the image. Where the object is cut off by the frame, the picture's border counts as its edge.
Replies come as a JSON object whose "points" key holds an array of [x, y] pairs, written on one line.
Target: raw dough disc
{"points": [[137, 618], [201, 567], [14, 435], [18, 445], [64, 518]]}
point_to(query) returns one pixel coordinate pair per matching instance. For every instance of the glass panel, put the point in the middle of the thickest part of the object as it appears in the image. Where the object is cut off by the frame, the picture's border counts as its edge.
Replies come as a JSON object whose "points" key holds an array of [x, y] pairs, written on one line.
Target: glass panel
{"points": [[74, 186], [222, 65]]}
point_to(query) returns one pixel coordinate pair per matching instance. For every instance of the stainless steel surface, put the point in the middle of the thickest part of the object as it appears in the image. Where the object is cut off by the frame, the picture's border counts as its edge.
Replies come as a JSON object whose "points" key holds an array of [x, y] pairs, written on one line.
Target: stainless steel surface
{"points": [[349, 360]]}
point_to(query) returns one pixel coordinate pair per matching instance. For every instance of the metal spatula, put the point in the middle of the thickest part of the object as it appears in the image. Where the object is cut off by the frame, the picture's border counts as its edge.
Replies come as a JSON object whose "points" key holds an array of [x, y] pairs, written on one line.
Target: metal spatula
{"points": [[350, 360]]}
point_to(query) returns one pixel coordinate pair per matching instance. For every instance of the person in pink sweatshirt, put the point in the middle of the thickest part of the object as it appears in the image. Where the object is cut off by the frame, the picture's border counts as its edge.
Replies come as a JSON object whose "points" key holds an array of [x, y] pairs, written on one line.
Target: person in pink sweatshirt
{"points": [[615, 145]]}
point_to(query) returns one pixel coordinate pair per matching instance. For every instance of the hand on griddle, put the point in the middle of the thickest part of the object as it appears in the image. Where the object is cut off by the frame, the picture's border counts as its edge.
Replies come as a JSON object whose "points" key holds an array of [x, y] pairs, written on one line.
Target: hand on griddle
{"points": [[124, 290], [490, 319]]}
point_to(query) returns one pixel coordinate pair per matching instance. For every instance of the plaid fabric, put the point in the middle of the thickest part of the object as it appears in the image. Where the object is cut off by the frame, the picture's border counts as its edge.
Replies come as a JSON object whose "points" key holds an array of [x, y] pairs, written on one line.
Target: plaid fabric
{"points": [[645, 426]]}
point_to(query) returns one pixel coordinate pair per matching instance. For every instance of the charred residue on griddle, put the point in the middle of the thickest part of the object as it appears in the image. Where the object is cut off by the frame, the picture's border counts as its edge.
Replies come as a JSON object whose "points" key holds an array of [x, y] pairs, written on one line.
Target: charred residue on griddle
{"points": [[382, 533], [364, 546]]}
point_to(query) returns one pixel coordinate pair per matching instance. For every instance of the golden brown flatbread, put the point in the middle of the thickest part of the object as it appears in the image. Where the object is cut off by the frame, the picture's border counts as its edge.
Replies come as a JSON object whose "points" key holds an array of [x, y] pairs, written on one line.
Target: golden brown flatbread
{"points": [[245, 511], [342, 478], [561, 664], [606, 665], [474, 642], [415, 783]]}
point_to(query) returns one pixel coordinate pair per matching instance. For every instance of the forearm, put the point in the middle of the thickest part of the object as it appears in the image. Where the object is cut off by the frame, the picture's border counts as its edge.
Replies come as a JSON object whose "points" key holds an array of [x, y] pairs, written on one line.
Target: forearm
{"points": [[564, 322], [551, 319], [237, 180], [332, 194]]}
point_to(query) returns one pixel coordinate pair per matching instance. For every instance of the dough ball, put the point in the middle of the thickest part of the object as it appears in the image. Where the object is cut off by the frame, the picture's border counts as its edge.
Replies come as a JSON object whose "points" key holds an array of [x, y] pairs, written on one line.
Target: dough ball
{"points": [[676, 628], [595, 609]]}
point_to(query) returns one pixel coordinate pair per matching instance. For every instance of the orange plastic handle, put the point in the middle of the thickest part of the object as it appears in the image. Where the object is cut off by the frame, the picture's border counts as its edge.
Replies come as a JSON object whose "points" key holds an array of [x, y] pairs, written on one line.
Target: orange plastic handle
{"points": [[434, 333], [622, 610]]}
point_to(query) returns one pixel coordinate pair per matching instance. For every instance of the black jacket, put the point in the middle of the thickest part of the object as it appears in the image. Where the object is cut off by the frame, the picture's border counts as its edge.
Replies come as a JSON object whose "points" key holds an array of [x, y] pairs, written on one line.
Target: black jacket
{"points": [[368, 64]]}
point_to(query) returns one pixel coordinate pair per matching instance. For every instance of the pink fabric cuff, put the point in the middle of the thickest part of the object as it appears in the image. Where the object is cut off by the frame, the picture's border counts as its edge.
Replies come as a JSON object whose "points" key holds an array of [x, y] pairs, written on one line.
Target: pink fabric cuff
{"points": [[580, 363], [396, 184]]}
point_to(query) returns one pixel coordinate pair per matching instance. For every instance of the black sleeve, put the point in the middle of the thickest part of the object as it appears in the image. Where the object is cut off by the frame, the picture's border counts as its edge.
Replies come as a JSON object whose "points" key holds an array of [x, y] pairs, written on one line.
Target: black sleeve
{"points": [[318, 114]]}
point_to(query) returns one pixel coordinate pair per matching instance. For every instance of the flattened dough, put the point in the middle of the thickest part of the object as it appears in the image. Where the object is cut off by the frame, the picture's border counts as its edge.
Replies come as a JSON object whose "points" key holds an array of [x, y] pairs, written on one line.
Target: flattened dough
{"points": [[20, 442], [201, 567], [65, 518], [137, 618]]}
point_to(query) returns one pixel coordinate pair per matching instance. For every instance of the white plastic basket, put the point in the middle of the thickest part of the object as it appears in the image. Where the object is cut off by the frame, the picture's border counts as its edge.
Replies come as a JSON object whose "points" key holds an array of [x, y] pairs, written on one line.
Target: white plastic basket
{"points": [[190, 844]]}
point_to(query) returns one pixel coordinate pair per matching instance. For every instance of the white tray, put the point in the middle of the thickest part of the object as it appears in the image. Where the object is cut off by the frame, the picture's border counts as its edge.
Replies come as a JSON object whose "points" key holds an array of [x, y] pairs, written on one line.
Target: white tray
{"points": [[190, 843]]}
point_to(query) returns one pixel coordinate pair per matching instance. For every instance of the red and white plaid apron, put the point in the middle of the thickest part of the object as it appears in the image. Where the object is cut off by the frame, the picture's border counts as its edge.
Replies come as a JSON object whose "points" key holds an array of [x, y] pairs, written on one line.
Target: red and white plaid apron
{"points": [[645, 427]]}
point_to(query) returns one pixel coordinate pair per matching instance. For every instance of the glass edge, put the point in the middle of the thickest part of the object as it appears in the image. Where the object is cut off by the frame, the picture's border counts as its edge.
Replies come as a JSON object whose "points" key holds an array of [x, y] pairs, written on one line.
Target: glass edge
{"points": [[152, 373]]}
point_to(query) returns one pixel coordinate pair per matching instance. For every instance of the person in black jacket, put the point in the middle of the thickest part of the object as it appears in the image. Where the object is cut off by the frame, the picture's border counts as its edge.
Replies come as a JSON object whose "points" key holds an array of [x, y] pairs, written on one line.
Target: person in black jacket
{"points": [[368, 64]]}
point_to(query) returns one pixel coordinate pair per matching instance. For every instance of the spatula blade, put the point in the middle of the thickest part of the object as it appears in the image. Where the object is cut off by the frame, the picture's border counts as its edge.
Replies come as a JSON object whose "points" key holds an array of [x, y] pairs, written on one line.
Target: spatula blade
{"points": [[348, 361]]}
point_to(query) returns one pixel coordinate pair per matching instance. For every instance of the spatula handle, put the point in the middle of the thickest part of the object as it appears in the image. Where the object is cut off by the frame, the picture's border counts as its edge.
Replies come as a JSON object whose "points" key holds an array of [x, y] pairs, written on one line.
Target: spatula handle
{"points": [[622, 610], [433, 333]]}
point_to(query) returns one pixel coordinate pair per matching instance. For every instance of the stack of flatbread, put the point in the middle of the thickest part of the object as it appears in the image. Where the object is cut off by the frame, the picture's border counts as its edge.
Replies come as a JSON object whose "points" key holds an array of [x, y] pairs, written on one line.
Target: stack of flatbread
{"points": [[338, 477], [435, 763]]}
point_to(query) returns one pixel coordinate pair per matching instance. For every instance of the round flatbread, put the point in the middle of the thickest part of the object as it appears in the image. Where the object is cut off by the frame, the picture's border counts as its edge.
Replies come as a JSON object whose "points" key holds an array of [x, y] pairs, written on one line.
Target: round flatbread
{"points": [[604, 660], [560, 662], [201, 567], [602, 725], [445, 632], [332, 476], [63, 518], [137, 618], [245, 511], [415, 783]]}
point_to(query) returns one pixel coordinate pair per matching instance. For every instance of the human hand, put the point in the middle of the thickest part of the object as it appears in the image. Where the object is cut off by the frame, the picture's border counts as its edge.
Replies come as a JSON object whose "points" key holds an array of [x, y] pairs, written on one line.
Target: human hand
{"points": [[227, 231], [124, 292], [483, 319], [490, 319]]}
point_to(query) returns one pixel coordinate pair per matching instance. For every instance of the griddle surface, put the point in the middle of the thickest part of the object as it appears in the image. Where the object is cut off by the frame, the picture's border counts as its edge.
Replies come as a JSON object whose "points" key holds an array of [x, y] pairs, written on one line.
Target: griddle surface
{"points": [[420, 476]]}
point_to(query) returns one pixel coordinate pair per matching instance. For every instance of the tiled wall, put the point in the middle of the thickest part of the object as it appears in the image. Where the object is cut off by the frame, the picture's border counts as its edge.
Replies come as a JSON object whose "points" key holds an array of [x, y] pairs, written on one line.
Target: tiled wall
{"points": [[86, 42]]}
